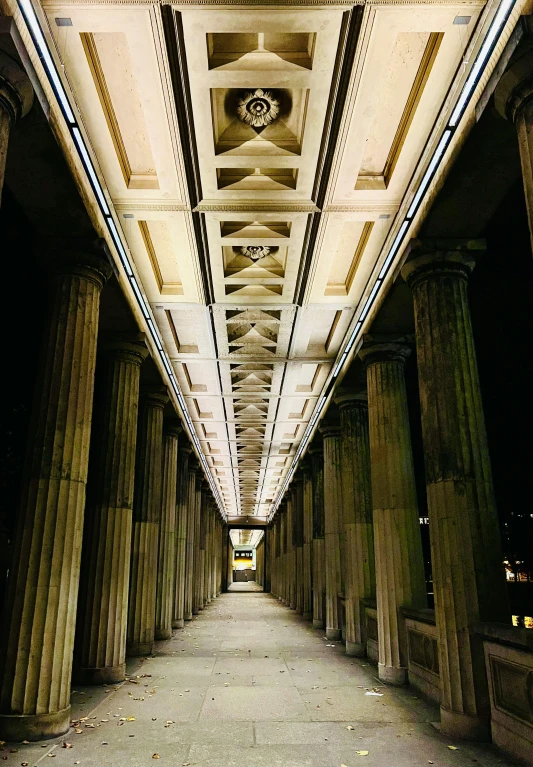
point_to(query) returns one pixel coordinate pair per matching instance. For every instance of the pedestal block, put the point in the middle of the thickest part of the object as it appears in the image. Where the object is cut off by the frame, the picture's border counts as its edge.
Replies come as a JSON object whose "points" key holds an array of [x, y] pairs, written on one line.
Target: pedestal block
{"points": [[146, 521], [166, 565], [400, 578], [468, 576], [332, 526], [100, 655], [359, 574], [40, 615]]}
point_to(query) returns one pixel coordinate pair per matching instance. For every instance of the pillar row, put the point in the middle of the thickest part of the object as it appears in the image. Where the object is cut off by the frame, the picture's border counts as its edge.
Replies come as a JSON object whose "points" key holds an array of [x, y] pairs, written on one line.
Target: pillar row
{"points": [[178, 619], [38, 641]]}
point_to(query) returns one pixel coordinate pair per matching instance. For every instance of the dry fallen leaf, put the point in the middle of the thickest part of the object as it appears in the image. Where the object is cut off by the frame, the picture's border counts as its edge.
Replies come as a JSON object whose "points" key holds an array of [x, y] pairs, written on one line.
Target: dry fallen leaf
{"points": [[67, 745], [350, 727], [362, 753], [156, 756], [452, 748], [24, 764]]}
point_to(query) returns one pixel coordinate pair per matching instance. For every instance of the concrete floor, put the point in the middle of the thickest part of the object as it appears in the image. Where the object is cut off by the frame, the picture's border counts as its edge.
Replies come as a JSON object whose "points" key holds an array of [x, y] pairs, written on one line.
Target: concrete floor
{"points": [[249, 684]]}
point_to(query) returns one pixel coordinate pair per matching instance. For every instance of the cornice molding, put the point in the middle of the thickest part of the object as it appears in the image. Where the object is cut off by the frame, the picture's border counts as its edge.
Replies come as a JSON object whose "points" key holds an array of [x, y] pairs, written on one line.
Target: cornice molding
{"points": [[156, 206], [252, 207], [257, 3]]}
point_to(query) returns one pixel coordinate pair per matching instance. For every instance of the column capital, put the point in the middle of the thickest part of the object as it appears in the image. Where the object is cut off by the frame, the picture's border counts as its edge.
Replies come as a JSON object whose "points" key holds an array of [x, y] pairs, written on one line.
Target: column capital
{"points": [[515, 88], [172, 428], [385, 348], [80, 257], [350, 398], [154, 396], [16, 93], [186, 448], [330, 427], [430, 258], [305, 464], [316, 447], [128, 347]]}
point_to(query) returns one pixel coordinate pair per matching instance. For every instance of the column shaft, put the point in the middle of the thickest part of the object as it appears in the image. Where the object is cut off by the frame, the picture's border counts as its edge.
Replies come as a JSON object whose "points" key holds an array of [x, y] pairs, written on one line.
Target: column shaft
{"points": [[38, 641], [100, 656], [467, 558], [146, 520], [198, 558], [400, 578], [191, 520], [16, 99], [332, 528]]}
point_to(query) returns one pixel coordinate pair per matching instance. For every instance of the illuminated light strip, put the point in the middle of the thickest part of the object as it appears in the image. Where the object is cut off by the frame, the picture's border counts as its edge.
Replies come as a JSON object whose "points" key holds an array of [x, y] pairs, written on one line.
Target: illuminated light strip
{"points": [[499, 20], [77, 137]]}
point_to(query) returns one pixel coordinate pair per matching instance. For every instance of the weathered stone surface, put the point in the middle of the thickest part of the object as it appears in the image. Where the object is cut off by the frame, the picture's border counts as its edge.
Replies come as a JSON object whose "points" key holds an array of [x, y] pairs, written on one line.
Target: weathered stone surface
{"points": [[100, 656], [40, 616], [400, 579], [16, 99], [307, 554], [191, 537], [468, 576], [146, 521]]}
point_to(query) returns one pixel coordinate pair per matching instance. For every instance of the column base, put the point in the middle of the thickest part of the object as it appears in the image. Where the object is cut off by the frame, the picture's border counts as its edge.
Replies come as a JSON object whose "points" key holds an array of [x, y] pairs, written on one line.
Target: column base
{"points": [[163, 634], [334, 634], [465, 726], [318, 623], [19, 727], [138, 649], [307, 616], [355, 649], [392, 675], [188, 617], [104, 675], [178, 624]]}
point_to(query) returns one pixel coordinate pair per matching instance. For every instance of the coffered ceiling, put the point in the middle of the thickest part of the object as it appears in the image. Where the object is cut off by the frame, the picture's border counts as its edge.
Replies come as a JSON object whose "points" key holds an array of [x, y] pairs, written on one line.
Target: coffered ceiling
{"points": [[256, 157]]}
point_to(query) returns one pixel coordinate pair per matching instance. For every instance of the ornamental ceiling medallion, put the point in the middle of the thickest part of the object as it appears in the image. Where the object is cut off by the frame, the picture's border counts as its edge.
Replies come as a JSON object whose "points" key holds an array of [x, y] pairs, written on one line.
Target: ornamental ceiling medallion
{"points": [[258, 108]]}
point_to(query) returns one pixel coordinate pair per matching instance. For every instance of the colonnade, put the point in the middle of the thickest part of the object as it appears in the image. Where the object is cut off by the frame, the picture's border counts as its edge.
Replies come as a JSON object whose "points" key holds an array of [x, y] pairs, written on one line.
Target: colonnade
{"points": [[102, 554], [358, 513]]}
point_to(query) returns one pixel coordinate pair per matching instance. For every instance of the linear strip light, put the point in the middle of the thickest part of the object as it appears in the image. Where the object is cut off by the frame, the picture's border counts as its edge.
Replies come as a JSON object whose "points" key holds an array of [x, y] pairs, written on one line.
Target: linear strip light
{"points": [[50, 68], [498, 22]]}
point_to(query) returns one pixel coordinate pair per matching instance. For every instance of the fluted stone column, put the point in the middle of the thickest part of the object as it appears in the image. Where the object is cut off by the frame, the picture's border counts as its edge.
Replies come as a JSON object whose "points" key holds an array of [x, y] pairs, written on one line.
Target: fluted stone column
{"points": [[283, 549], [40, 615], [468, 576], [178, 619], [307, 551], [400, 578], [513, 99], [146, 521], [16, 99], [166, 563], [100, 656], [359, 573], [274, 554], [191, 534], [298, 537], [207, 562], [198, 558], [316, 451], [202, 545], [291, 550], [330, 431]]}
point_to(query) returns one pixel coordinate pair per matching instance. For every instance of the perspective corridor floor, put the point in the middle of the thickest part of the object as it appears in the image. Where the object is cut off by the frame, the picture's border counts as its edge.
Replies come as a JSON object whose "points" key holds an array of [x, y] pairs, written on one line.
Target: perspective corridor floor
{"points": [[249, 684]]}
